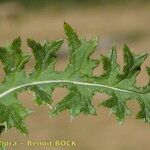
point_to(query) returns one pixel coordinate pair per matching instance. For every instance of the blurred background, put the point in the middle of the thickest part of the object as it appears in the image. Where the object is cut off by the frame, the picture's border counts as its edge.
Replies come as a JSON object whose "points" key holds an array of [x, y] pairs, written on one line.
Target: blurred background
{"points": [[115, 22]]}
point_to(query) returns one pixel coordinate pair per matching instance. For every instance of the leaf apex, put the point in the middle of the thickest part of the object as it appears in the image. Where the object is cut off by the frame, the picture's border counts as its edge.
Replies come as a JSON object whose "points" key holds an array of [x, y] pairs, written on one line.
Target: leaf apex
{"points": [[67, 26]]}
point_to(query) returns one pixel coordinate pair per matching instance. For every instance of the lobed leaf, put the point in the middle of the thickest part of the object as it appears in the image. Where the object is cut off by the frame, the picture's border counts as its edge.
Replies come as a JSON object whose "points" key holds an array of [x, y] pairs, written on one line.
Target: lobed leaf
{"points": [[78, 78]]}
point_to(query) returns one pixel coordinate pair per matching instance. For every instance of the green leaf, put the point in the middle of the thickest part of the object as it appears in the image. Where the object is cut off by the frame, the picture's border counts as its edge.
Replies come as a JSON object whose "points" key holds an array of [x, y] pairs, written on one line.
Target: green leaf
{"points": [[72, 37], [2, 147], [14, 115], [117, 107], [44, 54], [41, 95], [76, 101], [132, 62], [78, 78], [12, 57]]}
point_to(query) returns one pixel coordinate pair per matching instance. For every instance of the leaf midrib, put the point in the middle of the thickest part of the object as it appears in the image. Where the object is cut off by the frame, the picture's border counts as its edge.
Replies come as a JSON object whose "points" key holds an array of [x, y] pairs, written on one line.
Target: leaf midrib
{"points": [[67, 81]]}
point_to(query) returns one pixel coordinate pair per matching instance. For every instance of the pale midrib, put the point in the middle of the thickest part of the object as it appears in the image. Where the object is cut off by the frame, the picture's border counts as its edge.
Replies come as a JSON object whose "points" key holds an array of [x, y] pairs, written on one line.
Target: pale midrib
{"points": [[64, 81]]}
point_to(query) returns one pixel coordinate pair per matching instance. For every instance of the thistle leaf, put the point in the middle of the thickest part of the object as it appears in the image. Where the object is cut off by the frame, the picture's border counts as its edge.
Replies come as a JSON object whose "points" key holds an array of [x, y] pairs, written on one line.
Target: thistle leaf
{"points": [[78, 78]]}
